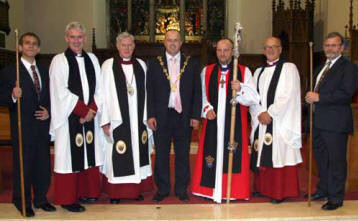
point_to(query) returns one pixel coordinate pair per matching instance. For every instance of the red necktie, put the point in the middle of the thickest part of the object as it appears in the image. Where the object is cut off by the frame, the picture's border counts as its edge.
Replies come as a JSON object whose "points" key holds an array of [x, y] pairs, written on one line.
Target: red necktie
{"points": [[36, 80]]}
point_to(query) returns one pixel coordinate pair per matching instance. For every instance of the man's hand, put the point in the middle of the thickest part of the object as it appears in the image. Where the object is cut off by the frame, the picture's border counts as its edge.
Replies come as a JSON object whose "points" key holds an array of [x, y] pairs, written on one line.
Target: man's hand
{"points": [[235, 85], [41, 114], [152, 123], [211, 115], [106, 129], [264, 118], [194, 123], [16, 91], [90, 115], [312, 97]]}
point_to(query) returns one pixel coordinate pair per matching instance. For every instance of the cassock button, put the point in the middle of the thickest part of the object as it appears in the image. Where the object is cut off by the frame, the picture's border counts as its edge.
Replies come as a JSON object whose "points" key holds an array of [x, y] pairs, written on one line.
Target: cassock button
{"points": [[89, 137], [121, 147], [268, 139], [144, 137], [79, 140]]}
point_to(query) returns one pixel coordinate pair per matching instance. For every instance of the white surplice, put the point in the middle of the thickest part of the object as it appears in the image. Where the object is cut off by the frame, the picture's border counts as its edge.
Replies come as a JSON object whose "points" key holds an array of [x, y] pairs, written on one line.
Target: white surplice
{"points": [[112, 115], [246, 96], [63, 102], [285, 113]]}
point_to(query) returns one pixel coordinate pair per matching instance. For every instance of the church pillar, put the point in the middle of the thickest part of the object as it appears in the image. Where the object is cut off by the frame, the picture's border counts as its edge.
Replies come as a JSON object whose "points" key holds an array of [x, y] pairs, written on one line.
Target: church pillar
{"points": [[151, 21], [182, 19], [129, 15]]}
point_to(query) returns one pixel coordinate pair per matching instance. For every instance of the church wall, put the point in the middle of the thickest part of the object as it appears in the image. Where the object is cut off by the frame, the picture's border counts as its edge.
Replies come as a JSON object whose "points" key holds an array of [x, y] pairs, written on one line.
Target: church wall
{"points": [[254, 15]]}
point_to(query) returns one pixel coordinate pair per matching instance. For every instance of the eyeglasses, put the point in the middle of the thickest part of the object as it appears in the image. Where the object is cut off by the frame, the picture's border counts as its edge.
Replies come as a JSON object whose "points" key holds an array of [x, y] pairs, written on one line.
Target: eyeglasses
{"points": [[272, 47]]}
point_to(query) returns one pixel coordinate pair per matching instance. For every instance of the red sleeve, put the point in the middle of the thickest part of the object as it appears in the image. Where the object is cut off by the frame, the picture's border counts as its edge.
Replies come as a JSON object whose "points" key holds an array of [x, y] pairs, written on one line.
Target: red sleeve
{"points": [[93, 106], [81, 109]]}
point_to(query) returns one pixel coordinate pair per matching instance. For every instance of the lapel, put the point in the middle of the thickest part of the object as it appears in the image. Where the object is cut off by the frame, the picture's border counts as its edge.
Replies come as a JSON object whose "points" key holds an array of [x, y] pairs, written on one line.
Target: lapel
{"points": [[331, 71], [319, 69], [164, 59], [182, 59], [42, 80], [25, 78]]}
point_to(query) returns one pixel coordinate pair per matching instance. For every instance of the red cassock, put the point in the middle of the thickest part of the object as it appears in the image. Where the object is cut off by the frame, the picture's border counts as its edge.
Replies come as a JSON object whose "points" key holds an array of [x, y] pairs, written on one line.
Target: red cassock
{"points": [[240, 186]]}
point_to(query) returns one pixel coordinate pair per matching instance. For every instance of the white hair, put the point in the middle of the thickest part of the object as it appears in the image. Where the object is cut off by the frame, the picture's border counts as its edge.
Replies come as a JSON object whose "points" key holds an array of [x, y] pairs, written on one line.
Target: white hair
{"points": [[75, 25], [124, 35]]}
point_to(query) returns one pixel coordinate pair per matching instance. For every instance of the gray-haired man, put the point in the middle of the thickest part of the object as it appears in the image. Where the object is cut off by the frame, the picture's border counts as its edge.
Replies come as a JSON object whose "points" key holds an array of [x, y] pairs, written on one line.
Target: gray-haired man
{"points": [[75, 103]]}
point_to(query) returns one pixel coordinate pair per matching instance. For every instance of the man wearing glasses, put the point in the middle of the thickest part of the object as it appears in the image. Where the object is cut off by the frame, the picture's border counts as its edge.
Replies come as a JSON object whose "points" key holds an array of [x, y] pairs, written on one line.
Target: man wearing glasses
{"points": [[276, 126], [334, 85]]}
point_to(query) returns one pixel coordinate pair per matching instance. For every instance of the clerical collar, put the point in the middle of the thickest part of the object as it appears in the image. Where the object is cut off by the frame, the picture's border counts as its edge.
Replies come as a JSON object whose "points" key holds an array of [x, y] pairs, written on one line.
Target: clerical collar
{"points": [[78, 55], [272, 63], [125, 61], [224, 68]]}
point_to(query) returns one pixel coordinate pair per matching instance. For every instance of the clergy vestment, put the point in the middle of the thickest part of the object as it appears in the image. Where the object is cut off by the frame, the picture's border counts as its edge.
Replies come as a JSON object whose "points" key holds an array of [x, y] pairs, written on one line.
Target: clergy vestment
{"points": [[210, 174], [75, 86], [128, 170], [277, 146]]}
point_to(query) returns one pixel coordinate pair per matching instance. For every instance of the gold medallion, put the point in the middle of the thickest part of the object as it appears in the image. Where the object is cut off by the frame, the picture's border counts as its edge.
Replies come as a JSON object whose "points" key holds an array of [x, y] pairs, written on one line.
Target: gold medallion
{"points": [[79, 140], [144, 137], [268, 139], [130, 90], [256, 145], [173, 87], [209, 161], [121, 147], [89, 137]]}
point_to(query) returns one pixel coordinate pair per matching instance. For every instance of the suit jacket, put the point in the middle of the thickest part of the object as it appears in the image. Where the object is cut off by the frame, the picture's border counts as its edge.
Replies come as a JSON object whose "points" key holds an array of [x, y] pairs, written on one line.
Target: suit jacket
{"points": [[158, 90], [333, 111], [31, 127]]}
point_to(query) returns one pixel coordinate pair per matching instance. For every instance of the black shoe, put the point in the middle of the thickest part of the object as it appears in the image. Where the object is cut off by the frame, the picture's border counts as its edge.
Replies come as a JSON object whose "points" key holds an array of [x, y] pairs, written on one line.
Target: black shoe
{"points": [[183, 197], [256, 194], [140, 198], [274, 201], [114, 201], [159, 197], [28, 211], [331, 206], [87, 200], [75, 207], [316, 196], [46, 207]]}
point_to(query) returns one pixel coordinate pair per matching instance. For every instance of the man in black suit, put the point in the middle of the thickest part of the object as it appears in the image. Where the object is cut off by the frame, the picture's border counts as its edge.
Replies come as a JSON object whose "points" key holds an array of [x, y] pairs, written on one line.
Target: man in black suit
{"points": [[334, 86], [33, 89], [174, 108]]}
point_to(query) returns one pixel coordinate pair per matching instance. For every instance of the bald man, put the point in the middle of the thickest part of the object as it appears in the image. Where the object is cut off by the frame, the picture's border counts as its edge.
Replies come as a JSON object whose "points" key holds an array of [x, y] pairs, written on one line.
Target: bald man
{"points": [[276, 126], [210, 175], [174, 105]]}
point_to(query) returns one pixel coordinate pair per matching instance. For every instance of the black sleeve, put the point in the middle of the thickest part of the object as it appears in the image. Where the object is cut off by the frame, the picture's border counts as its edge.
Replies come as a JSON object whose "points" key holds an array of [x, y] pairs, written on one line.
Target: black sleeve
{"points": [[197, 101], [150, 89], [7, 83]]}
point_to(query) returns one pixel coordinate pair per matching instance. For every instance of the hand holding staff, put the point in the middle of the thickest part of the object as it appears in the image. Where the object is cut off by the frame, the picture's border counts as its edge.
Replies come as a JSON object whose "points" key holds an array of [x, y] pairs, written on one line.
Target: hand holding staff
{"points": [[232, 144]]}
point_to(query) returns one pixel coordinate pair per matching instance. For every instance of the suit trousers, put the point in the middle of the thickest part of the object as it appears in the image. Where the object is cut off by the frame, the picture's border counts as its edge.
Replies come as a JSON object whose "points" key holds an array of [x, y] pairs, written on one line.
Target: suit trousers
{"points": [[37, 170], [174, 128], [330, 150]]}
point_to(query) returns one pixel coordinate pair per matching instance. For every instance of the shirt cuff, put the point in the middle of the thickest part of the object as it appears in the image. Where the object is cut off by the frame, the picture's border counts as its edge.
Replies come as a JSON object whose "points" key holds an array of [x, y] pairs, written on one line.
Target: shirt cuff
{"points": [[206, 109], [80, 109]]}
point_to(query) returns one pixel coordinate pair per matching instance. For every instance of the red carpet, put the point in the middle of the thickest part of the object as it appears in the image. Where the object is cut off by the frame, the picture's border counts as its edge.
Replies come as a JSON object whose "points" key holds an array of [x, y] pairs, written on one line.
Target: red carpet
{"points": [[6, 194]]}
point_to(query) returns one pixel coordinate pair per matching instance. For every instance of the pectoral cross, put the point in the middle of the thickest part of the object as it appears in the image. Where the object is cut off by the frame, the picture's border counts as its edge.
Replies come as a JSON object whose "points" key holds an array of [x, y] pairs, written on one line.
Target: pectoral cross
{"points": [[222, 82]]}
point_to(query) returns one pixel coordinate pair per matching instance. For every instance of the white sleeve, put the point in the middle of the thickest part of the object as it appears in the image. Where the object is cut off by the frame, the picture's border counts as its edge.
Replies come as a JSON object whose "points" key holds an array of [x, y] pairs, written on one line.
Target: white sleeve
{"points": [[248, 94], [205, 103], [63, 101]]}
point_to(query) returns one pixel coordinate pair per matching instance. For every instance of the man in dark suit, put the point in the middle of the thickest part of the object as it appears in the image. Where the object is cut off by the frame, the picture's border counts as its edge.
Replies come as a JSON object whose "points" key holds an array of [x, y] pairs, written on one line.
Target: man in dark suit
{"points": [[33, 89], [174, 108], [334, 85]]}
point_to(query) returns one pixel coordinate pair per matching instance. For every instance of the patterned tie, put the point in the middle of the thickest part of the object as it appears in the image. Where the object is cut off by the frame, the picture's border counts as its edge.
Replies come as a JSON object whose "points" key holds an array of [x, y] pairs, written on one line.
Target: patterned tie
{"points": [[175, 82], [36, 81], [328, 66]]}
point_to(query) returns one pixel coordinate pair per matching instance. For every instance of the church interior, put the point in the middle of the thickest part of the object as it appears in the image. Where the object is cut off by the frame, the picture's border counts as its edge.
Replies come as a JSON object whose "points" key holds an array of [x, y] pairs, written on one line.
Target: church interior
{"points": [[202, 23]]}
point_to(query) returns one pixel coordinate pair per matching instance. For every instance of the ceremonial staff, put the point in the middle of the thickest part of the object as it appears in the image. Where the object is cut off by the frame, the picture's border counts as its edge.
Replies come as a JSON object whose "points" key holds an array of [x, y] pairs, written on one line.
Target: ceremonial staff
{"points": [[232, 144], [19, 127], [311, 127]]}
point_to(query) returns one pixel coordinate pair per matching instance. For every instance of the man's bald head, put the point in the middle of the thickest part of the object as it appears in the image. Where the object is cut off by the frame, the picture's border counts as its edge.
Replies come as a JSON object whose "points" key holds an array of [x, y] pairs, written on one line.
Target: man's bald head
{"points": [[272, 48], [224, 51]]}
